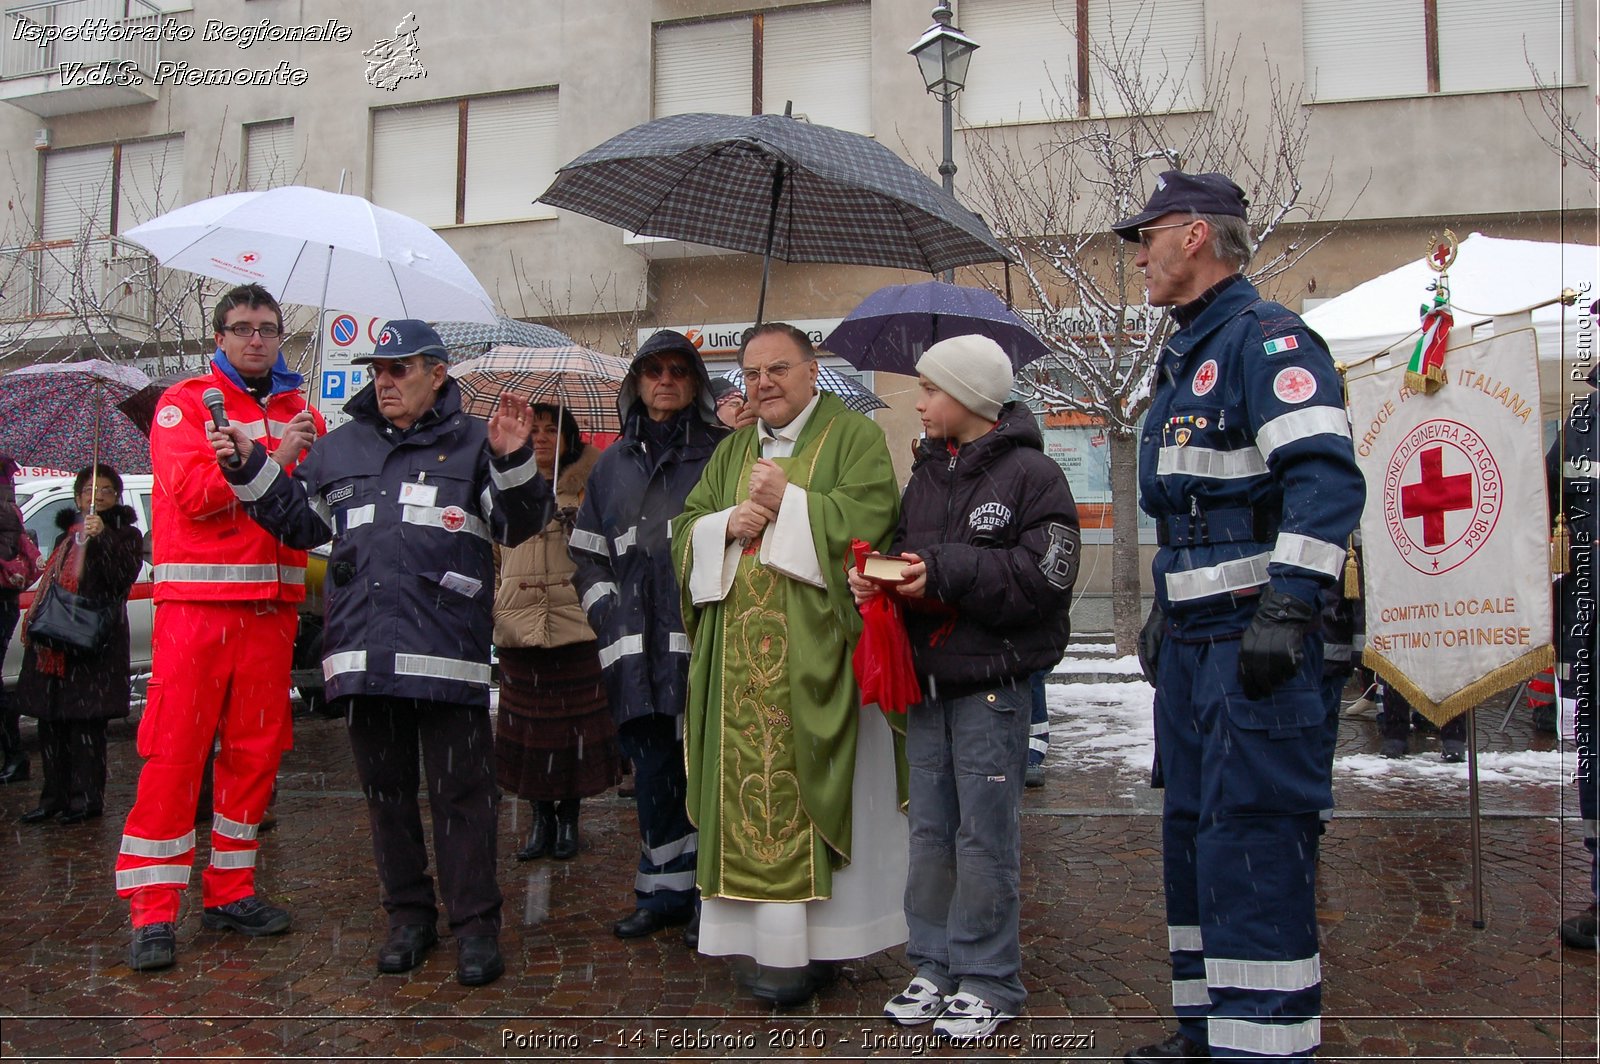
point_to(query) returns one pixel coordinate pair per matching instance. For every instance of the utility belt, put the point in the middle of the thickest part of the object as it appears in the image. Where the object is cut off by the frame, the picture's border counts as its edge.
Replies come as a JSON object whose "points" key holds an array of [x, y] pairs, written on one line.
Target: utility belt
{"points": [[1227, 524]]}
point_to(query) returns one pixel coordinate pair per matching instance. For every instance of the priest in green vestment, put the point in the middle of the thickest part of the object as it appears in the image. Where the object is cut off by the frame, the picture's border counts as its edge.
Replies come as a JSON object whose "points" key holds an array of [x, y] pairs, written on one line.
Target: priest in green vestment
{"points": [[802, 847]]}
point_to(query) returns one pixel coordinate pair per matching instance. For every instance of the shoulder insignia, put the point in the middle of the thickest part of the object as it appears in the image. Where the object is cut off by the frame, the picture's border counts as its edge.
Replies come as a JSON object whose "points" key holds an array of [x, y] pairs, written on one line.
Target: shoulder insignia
{"points": [[1294, 384], [1060, 555], [169, 416], [1281, 344]]}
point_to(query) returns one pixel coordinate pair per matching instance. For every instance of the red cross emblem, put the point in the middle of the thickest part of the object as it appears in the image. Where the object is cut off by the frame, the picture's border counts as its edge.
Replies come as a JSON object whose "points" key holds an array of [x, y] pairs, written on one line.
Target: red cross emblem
{"points": [[1443, 477], [1205, 378], [248, 257], [453, 518], [1434, 496]]}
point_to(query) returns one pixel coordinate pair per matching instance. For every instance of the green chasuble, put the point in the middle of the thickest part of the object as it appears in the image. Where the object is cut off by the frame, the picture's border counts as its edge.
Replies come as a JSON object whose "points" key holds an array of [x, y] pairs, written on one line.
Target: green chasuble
{"points": [[770, 725]]}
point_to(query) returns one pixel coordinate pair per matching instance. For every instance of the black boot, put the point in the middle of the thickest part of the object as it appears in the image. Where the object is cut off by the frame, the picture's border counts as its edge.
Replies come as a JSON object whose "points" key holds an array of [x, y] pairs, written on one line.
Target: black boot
{"points": [[13, 762], [566, 844], [543, 833]]}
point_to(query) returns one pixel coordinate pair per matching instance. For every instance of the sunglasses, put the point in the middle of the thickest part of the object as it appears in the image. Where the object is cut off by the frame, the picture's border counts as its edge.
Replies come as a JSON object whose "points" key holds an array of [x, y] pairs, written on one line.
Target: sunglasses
{"points": [[1144, 234], [654, 370], [244, 332], [393, 370]]}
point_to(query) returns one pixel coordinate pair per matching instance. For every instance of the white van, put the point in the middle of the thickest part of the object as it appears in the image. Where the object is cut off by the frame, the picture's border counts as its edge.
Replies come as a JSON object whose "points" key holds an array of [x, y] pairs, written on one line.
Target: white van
{"points": [[41, 499]]}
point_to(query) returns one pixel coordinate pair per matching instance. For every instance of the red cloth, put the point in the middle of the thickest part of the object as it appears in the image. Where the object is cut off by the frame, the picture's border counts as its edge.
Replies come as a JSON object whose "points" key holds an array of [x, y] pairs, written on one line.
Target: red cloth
{"points": [[882, 661], [63, 568]]}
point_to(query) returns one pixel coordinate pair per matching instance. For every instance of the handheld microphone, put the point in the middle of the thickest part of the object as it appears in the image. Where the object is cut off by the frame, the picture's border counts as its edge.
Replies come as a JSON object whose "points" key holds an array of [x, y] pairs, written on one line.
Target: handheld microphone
{"points": [[212, 398]]}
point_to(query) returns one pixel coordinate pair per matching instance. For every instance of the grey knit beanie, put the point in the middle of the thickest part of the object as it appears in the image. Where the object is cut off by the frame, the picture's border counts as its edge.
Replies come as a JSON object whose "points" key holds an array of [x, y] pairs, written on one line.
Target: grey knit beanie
{"points": [[973, 369]]}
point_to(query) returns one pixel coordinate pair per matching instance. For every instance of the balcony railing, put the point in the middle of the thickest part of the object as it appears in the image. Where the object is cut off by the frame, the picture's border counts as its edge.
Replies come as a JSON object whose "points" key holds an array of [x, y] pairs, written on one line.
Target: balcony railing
{"points": [[102, 284], [66, 56]]}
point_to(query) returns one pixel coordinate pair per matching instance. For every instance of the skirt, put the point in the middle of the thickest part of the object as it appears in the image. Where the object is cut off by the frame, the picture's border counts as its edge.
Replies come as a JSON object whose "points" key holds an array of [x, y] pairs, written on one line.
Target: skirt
{"points": [[555, 738]]}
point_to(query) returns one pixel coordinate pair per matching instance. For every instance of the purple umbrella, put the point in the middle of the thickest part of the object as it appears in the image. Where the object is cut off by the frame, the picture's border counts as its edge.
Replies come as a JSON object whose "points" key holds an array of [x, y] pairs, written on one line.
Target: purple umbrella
{"points": [[894, 325], [64, 415]]}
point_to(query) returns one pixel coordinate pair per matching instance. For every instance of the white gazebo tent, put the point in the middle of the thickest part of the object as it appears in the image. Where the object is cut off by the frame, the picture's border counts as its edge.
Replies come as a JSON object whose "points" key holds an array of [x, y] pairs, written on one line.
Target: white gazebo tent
{"points": [[1490, 276]]}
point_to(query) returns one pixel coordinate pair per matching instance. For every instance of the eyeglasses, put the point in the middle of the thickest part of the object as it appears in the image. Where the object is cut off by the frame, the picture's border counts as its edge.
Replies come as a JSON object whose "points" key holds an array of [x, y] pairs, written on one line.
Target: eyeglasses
{"points": [[654, 370], [393, 370], [87, 490], [1144, 233], [244, 332], [774, 373]]}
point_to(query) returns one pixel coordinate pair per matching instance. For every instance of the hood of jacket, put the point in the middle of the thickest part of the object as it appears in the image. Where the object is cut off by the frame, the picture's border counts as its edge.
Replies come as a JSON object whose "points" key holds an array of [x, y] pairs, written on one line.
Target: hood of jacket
{"points": [[283, 379], [1016, 427], [116, 515], [705, 403]]}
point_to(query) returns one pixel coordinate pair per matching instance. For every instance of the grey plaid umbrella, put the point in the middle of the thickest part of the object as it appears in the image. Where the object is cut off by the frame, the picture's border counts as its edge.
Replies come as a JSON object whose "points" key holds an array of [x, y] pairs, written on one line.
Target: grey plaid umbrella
{"points": [[851, 391], [585, 382], [774, 186], [468, 339]]}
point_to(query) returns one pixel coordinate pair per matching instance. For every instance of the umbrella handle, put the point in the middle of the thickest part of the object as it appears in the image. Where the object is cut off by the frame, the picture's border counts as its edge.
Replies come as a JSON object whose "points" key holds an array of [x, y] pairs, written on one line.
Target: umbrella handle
{"points": [[772, 225]]}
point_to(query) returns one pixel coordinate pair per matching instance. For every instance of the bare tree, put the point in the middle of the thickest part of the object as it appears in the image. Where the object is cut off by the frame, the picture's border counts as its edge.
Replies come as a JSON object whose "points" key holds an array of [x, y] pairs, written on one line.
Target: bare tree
{"points": [[1052, 198], [1570, 134]]}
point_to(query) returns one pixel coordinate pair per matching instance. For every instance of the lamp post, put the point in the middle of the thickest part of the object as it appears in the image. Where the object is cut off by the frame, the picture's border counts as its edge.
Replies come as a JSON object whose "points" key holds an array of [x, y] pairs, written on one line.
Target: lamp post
{"points": [[943, 53]]}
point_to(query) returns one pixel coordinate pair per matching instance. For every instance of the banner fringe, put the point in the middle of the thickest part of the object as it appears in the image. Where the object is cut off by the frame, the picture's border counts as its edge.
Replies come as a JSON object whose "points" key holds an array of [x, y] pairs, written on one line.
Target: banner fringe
{"points": [[1441, 713]]}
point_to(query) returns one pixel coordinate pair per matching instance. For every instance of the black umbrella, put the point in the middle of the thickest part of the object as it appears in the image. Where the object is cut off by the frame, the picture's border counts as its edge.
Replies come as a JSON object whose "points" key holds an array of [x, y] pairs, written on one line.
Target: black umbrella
{"points": [[773, 185]]}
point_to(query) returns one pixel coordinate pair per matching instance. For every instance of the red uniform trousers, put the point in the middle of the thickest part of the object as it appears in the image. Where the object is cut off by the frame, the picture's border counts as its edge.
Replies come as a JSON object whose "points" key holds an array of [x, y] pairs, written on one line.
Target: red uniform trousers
{"points": [[217, 668]]}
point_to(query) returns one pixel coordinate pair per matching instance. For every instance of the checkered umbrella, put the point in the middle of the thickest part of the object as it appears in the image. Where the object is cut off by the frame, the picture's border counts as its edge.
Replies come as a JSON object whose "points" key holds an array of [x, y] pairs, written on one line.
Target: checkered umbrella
{"points": [[774, 186], [469, 339], [852, 391], [585, 382]]}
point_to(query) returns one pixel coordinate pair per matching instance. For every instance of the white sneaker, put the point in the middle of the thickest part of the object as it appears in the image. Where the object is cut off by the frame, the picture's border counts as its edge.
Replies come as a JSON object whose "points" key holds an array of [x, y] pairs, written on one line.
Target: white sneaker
{"points": [[967, 1016], [919, 1002], [1366, 707]]}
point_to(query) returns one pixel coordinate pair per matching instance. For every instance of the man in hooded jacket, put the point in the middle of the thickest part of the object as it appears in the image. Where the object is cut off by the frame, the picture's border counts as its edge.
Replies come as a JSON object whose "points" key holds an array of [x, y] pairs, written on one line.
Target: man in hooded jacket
{"points": [[621, 547]]}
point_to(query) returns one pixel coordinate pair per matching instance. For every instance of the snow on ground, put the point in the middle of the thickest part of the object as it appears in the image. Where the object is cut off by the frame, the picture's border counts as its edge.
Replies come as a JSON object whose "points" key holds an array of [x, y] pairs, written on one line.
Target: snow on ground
{"points": [[1112, 724]]}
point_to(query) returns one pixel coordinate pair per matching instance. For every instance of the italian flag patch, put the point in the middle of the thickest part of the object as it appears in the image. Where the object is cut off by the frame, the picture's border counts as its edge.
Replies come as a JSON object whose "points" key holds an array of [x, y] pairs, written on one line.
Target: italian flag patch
{"points": [[1282, 343]]}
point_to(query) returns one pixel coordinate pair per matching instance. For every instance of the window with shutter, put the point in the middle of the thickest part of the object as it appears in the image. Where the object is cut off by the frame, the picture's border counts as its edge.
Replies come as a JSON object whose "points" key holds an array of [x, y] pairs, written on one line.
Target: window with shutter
{"points": [[75, 209], [1502, 44], [704, 66], [150, 181], [270, 156], [1026, 65], [414, 161], [511, 156]]}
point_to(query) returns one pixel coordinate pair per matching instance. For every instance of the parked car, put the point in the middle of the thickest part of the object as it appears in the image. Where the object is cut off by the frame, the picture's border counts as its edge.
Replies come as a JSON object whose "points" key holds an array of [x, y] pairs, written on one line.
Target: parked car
{"points": [[42, 498]]}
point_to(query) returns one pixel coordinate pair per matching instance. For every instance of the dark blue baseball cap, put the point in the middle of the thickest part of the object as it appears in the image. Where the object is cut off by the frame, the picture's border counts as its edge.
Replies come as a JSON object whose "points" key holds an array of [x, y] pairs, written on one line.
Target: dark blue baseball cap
{"points": [[407, 336], [1178, 191]]}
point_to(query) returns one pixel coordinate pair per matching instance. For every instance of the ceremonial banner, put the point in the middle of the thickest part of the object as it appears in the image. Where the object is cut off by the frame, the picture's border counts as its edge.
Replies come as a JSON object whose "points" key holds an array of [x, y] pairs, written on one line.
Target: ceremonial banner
{"points": [[1455, 535]]}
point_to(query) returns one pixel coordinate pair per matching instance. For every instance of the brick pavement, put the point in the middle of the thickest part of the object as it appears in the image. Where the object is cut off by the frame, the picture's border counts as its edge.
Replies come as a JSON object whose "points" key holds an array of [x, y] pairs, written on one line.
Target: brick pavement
{"points": [[1407, 975]]}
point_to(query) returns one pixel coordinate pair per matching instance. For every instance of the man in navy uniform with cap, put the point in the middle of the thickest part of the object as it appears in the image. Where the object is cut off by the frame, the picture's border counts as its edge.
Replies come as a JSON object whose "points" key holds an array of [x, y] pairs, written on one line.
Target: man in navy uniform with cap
{"points": [[1247, 467]]}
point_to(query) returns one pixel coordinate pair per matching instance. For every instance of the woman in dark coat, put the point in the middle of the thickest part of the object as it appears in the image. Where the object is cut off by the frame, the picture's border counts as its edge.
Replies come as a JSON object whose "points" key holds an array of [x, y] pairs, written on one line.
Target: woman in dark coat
{"points": [[73, 695]]}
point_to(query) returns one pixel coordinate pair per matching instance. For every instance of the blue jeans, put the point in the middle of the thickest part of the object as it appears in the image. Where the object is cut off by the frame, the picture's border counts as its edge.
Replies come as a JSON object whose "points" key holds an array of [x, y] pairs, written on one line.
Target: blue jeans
{"points": [[968, 757]]}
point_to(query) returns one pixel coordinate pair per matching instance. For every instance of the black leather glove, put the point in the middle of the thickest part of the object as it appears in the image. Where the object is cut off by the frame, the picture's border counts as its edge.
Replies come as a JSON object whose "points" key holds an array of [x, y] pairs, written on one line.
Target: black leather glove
{"points": [[1150, 639], [1271, 649]]}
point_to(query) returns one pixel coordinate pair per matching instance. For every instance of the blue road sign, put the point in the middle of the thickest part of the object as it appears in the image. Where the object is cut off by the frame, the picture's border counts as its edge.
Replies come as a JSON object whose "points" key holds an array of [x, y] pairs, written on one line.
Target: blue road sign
{"points": [[333, 383]]}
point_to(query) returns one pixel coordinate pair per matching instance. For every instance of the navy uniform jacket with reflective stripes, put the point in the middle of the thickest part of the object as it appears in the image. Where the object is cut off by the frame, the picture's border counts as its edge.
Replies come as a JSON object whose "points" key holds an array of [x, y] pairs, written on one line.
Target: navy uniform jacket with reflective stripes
{"points": [[621, 550], [410, 585], [1246, 459]]}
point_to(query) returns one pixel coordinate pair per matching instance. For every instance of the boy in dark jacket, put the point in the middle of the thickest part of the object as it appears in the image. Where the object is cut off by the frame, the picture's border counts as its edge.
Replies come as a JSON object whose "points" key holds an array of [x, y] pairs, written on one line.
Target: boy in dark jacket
{"points": [[989, 532]]}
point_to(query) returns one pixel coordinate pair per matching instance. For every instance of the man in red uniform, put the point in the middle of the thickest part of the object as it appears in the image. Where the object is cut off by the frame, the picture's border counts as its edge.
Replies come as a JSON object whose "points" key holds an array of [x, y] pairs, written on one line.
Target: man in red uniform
{"points": [[225, 594]]}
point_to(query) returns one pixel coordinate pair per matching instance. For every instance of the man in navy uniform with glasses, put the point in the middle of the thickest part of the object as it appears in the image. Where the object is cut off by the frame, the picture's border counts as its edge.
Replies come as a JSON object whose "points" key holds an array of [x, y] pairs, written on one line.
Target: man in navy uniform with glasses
{"points": [[1246, 464], [624, 575]]}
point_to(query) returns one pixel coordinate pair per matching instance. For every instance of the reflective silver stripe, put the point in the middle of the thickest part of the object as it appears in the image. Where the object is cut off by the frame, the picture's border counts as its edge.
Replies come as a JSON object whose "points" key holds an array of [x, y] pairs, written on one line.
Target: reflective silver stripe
{"points": [[135, 846], [1183, 937], [690, 843], [587, 541], [1269, 1039], [596, 593], [1190, 992], [1284, 976], [1337, 652], [1209, 463], [357, 516], [516, 476], [233, 829], [1298, 424], [623, 543], [668, 881], [257, 486], [324, 512], [677, 643], [166, 875], [277, 428], [1571, 470], [1037, 745], [486, 502], [628, 644], [1208, 580], [256, 429], [182, 572], [233, 858], [292, 574], [343, 662], [1304, 552], [441, 668], [433, 517]]}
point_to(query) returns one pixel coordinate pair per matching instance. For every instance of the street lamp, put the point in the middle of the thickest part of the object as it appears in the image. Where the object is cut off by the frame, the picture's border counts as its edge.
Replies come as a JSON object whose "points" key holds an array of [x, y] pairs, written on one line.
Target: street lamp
{"points": [[943, 53]]}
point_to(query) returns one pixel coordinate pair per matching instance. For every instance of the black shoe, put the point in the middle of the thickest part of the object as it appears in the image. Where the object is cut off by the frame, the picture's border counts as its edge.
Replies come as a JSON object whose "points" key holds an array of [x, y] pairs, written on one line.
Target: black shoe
{"points": [[1455, 752], [1581, 931], [408, 944], [478, 960], [78, 816], [691, 934], [642, 922], [15, 770], [788, 988], [249, 915], [566, 845], [1178, 1047], [154, 946], [539, 838], [38, 814]]}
